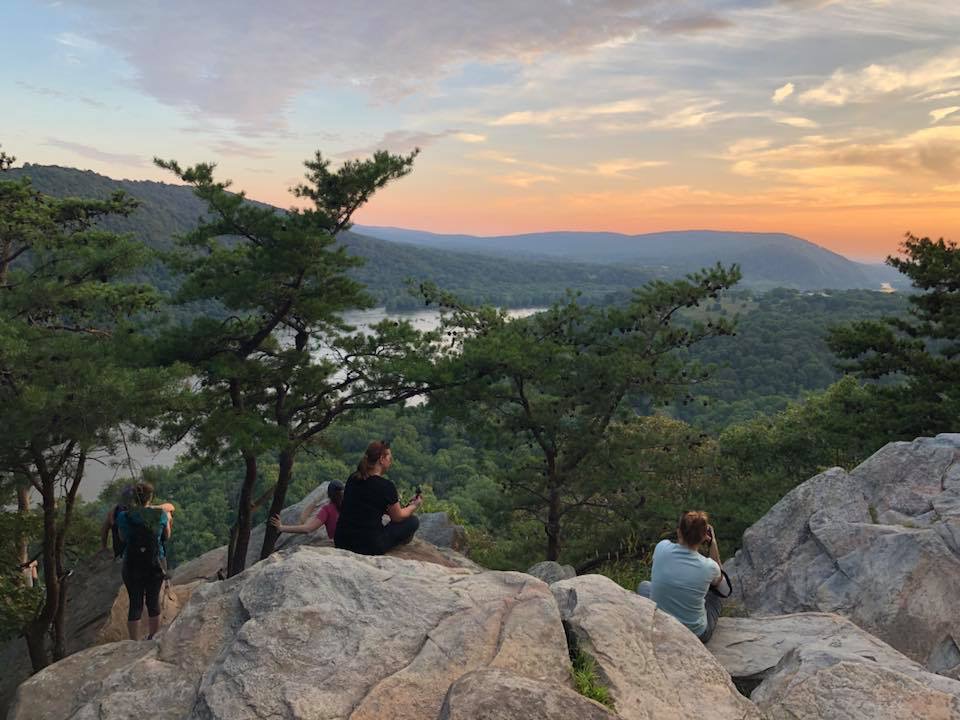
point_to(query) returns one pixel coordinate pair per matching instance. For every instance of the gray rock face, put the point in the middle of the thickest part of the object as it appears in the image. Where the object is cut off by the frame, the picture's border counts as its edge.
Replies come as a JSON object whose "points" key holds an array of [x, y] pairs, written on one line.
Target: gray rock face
{"points": [[817, 665], [436, 528], [551, 572], [656, 668], [498, 695], [317, 632], [878, 545]]}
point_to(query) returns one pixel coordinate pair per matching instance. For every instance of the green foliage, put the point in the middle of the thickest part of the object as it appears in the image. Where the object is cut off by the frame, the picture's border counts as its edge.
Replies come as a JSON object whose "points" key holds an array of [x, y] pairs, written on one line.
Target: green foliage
{"points": [[779, 352], [921, 350], [66, 344], [587, 681], [549, 389], [166, 211]]}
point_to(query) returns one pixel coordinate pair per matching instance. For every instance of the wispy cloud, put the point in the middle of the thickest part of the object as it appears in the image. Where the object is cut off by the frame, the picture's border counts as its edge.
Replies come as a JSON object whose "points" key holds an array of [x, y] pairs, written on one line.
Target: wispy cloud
{"points": [[783, 92], [876, 80], [941, 113], [94, 153], [572, 113], [525, 180], [624, 167], [50, 92], [399, 141]]}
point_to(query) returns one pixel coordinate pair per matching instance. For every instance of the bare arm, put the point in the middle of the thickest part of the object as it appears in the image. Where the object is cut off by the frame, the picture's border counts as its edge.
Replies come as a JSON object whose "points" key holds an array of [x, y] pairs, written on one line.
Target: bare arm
{"points": [[168, 527], [715, 554], [306, 513], [398, 513], [105, 529], [307, 527]]}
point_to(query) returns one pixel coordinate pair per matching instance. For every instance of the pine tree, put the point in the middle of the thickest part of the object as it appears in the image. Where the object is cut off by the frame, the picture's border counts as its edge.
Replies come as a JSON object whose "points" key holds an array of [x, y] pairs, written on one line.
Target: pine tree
{"points": [[555, 387], [66, 385], [282, 365], [913, 362]]}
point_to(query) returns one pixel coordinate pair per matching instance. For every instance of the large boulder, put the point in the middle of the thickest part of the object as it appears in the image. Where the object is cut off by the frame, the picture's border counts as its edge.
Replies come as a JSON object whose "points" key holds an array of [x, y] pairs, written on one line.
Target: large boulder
{"points": [[654, 667], [96, 612], [551, 572], [879, 545], [437, 529], [312, 632], [818, 665], [498, 695]]}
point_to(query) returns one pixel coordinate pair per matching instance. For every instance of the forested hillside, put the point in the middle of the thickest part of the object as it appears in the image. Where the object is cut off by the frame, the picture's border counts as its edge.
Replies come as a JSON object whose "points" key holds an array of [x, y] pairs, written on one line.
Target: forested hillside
{"points": [[767, 259], [168, 210]]}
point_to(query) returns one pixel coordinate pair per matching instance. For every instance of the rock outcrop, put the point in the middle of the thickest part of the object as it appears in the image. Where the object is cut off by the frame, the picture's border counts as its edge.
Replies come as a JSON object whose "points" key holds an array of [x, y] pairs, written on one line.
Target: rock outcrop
{"points": [[654, 667], [551, 572], [320, 632], [499, 695], [819, 665], [879, 545], [437, 529]]}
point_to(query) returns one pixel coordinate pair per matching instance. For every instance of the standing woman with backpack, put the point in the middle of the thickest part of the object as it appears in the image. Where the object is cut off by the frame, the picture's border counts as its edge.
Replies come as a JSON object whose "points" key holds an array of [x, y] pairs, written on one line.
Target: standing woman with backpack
{"points": [[143, 529]]}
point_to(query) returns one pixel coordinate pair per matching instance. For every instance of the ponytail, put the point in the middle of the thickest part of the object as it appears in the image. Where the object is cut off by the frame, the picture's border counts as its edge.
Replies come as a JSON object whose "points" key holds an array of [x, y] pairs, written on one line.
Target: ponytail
{"points": [[375, 450], [143, 493]]}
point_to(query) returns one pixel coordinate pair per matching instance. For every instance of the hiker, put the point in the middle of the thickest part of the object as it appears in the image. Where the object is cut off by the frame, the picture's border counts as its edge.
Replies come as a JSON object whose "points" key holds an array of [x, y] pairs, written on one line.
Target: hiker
{"points": [[328, 515], [143, 530], [681, 579], [109, 527], [369, 496]]}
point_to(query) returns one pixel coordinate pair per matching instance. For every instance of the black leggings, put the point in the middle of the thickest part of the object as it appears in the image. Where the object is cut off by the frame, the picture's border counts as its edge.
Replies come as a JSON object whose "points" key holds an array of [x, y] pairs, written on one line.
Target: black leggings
{"points": [[393, 534], [140, 589]]}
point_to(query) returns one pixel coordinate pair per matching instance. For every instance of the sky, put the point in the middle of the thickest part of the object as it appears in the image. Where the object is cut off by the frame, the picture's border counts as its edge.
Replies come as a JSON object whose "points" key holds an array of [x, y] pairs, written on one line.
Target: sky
{"points": [[838, 121]]}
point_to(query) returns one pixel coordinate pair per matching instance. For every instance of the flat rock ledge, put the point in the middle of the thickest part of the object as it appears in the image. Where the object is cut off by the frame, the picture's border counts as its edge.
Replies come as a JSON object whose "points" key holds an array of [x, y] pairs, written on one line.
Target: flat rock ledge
{"points": [[820, 665]]}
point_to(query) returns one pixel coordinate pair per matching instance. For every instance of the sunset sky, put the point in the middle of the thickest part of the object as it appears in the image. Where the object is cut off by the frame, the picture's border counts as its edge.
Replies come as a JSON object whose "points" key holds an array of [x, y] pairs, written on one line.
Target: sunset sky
{"points": [[836, 121]]}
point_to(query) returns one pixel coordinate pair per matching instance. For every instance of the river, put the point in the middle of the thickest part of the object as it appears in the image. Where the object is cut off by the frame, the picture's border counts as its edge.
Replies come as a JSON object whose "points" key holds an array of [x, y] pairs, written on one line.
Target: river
{"points": [[99, 474]]}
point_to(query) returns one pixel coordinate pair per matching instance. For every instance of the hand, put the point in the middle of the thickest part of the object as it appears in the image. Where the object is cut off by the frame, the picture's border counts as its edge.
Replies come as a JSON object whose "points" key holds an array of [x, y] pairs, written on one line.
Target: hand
{"points": [[275, 521], [711, 535], [417, 501]]}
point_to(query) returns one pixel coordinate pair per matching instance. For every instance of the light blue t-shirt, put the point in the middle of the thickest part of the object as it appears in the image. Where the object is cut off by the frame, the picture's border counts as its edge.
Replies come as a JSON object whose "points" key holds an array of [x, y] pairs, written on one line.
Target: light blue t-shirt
{"points": [[680, 579]]}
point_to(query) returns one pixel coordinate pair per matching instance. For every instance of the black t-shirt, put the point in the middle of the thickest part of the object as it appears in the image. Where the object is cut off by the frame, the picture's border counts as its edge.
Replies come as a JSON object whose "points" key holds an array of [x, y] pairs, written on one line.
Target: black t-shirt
{"points": [[365, 501]]}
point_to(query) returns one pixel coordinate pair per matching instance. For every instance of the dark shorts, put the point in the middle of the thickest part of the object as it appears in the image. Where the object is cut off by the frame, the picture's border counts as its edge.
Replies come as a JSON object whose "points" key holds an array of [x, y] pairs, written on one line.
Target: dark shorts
{"points": [[143, 589], [377, 543]]}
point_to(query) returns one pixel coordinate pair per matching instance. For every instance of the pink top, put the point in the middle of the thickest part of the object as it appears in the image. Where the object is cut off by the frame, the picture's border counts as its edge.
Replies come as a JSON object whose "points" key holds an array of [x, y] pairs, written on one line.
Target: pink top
{"points": [[329, 515]]}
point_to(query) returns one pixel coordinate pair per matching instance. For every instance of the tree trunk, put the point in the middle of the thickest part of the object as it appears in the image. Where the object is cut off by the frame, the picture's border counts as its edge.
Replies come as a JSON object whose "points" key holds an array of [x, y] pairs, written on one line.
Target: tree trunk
{"points": [[553, 509], [238, 558], [63, 576], [36, 632], [285, 474], [23, 542], [553, 525]]}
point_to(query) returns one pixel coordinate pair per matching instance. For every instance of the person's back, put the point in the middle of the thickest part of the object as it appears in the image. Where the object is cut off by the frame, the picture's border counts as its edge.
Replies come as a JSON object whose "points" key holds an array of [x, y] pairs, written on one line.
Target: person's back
{"points": [[680, 579], [369, 496]]}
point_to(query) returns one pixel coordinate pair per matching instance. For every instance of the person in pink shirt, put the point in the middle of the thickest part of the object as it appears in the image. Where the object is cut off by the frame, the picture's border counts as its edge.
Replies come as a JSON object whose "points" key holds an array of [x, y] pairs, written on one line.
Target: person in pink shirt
{"points": [[327, 515]]}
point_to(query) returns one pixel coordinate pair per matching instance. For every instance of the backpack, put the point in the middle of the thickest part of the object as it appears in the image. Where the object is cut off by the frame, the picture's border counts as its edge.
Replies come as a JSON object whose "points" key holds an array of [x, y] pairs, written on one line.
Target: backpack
{"points": [[143, 542]]}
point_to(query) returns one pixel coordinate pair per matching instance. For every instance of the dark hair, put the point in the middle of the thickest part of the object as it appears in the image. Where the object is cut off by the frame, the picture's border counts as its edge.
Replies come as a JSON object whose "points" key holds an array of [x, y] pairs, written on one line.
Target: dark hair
{"points": [[692, 527], [375, 450], [335, 493], [143, 493]]}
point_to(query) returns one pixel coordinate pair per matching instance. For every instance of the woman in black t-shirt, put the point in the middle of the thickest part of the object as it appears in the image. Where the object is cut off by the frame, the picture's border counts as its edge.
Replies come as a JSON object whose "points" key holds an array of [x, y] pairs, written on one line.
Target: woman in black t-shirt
{"points": [[369, 496]]}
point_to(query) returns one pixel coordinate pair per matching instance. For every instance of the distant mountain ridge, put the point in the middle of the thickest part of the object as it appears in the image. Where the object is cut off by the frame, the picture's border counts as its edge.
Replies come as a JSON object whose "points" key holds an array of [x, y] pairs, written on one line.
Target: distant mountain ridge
{"points": [[767, 259], [542, 265]]}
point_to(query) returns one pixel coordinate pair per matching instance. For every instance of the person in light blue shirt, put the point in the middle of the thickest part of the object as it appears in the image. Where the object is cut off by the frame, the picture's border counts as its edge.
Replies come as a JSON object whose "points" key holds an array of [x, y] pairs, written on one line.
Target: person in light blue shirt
{"points": [[681, 577]]}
